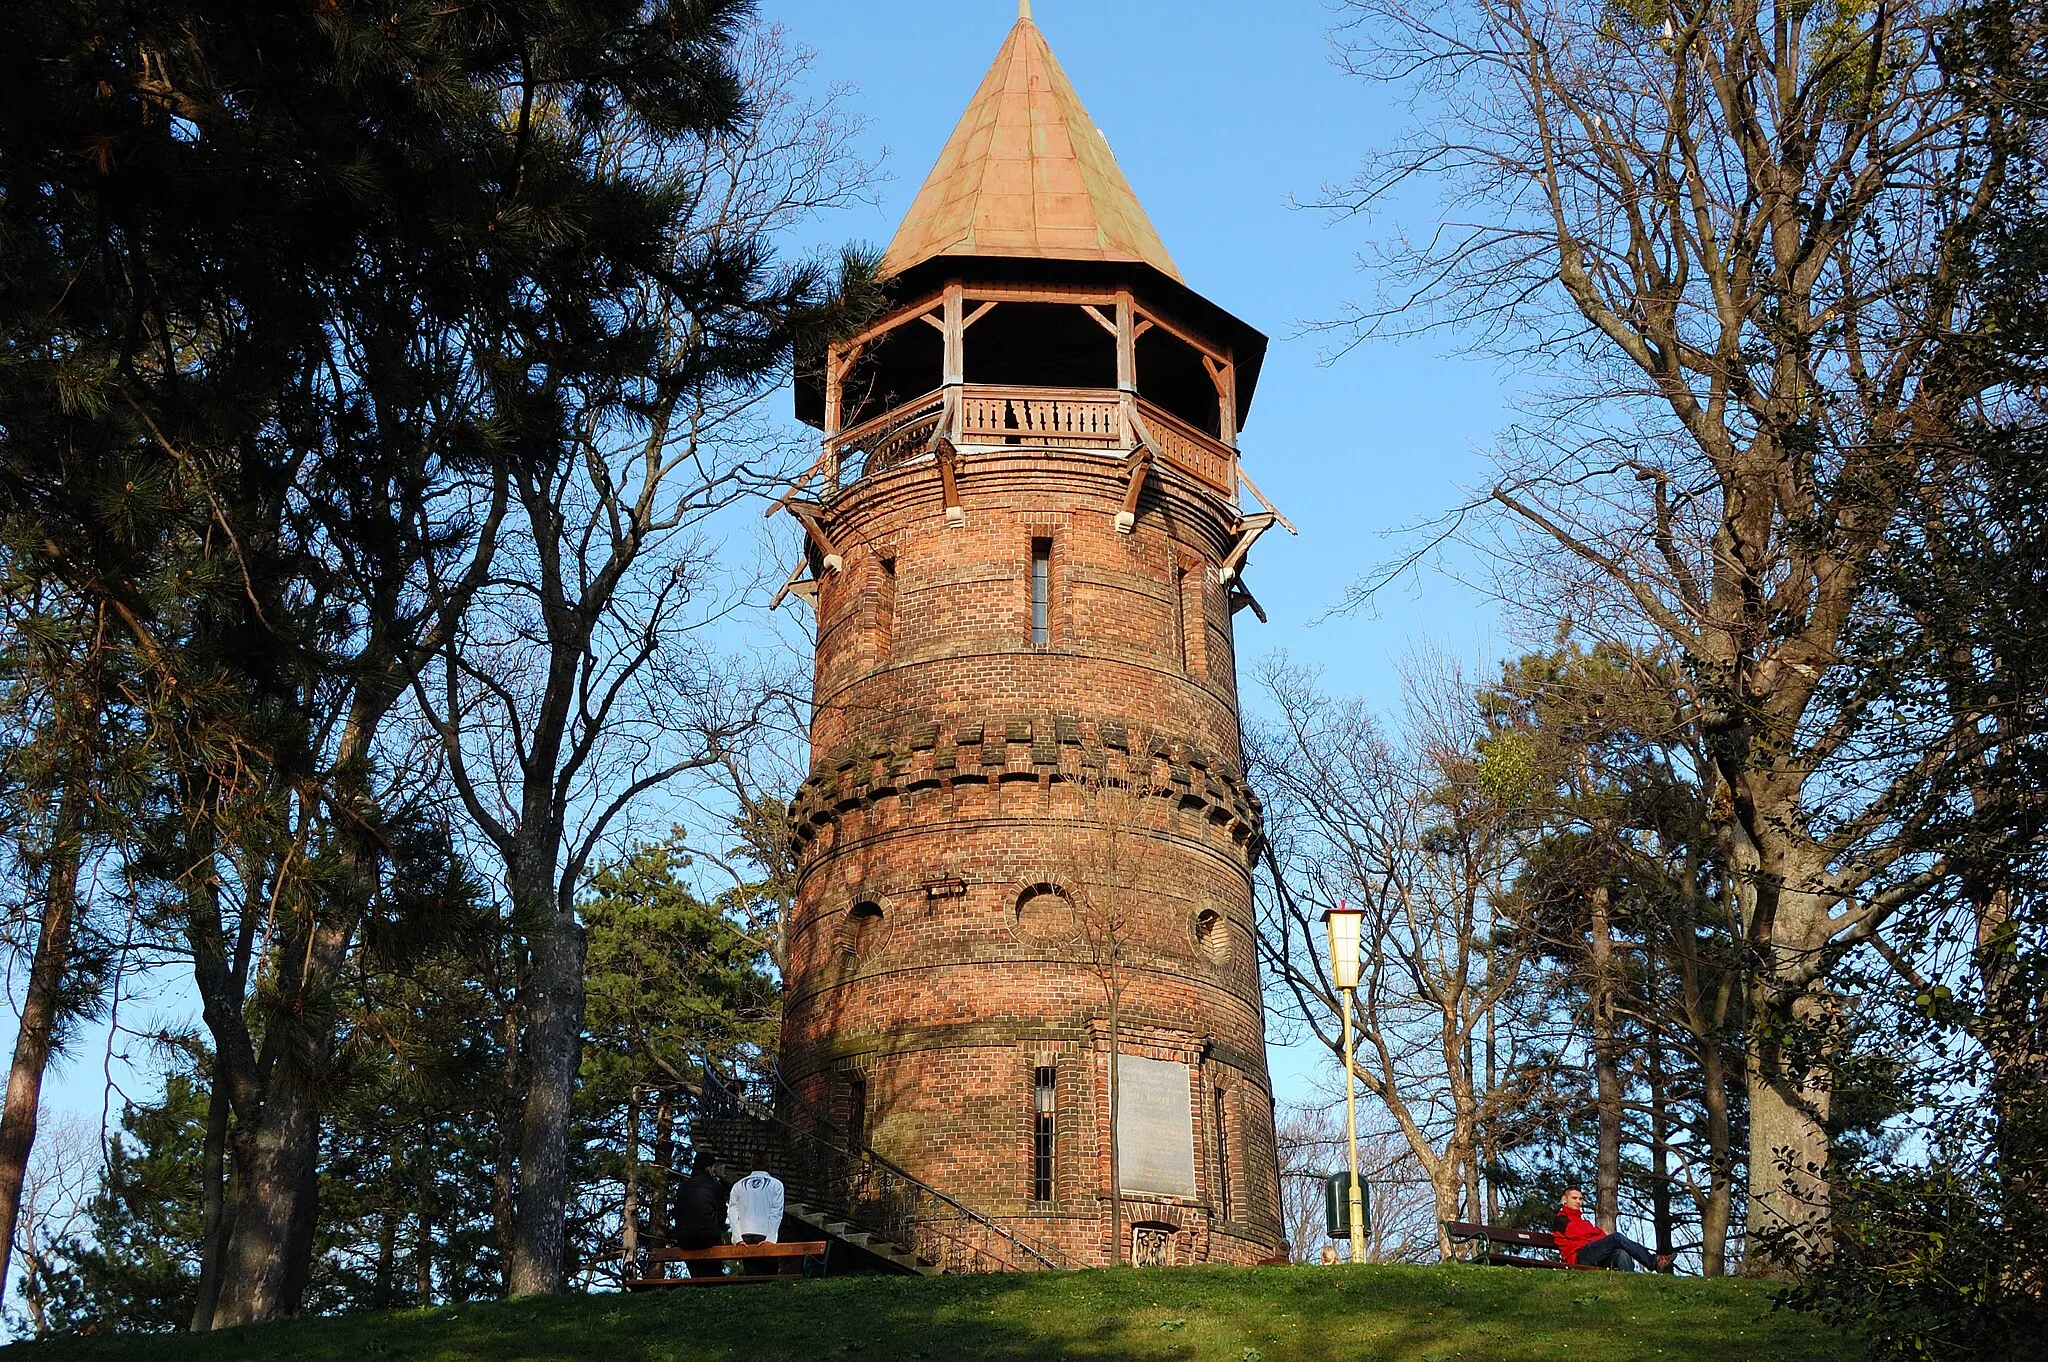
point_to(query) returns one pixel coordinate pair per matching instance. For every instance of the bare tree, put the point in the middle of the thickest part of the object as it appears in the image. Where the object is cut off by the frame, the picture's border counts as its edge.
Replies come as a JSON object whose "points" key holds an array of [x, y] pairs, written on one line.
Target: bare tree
{"points": [[1401, 1224], [581, 677], [48, 771], [55, 1195], [1406, 830], [1738, 228], [1099, 872]]}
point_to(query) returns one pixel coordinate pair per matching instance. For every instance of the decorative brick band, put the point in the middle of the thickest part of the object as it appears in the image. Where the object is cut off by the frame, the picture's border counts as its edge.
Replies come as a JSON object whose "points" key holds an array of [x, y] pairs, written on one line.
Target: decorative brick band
{"points": [[1091, 752]]}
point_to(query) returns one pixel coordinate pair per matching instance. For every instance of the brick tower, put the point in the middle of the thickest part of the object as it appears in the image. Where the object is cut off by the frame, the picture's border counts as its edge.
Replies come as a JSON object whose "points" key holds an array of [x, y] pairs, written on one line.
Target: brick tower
{"points": [[1025, 825]]}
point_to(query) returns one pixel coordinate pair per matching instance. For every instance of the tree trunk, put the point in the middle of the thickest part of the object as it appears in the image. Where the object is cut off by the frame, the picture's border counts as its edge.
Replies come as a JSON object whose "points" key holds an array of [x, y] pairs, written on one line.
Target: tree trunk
{"points": [[1606, 1075], [505, 1141], [214, 1226], [387, 1255], [305, 1219], [423, 1237], [1789, 1144], [554, 1031], [40, 1009], [664, 1163], [277, 1184], [629, 1232], [1718, 1211], [1116, 1172], [1490, 1140], [216, 1220], [1444, 1178], [271, 1202], [1660, 1139]]}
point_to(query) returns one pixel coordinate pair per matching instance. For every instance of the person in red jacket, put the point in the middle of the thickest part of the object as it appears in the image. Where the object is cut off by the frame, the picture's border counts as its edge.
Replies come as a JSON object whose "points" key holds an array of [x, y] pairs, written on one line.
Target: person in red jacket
{"points": [[1584, 1244]]}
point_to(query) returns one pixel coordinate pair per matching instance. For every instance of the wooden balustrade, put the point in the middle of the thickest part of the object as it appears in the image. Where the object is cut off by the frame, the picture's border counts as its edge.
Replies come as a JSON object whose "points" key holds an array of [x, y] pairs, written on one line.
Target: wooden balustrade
{"points": [[1192, 451], [1088, 420], [1058, 418]]}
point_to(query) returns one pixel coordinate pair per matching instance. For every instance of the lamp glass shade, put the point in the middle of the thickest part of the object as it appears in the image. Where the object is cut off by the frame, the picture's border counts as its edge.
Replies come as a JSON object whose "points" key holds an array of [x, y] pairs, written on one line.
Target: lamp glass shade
{"points": [[1344, 926]]}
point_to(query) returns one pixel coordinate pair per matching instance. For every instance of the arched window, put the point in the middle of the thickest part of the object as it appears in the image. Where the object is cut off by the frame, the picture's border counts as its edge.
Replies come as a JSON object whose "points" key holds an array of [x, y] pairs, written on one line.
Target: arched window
{"points": [[1212, 936], [1045, 914], [863, 929]]}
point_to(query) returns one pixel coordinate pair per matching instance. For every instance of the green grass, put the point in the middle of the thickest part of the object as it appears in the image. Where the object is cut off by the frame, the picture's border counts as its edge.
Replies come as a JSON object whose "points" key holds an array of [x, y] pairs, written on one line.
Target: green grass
{"points": [[1298, 1314]]}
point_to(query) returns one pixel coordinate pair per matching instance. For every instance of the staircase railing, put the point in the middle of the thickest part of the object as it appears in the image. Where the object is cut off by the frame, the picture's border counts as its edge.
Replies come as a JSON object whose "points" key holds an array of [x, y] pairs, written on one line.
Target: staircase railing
{"points": [[846, 1178]]}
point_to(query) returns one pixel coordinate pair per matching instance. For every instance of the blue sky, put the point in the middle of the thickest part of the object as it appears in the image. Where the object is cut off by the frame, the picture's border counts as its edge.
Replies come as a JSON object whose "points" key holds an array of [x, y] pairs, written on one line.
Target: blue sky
{"points": [[1219, 115]]}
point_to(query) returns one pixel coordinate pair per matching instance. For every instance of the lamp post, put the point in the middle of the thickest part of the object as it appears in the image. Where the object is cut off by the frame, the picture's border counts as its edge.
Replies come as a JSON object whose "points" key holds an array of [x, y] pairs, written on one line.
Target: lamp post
{"points": [[1344, 927]]}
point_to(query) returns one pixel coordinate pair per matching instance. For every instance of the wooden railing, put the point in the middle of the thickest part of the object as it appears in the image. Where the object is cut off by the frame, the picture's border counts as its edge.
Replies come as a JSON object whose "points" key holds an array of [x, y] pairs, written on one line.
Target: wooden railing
{"points": [[877, 445], [1043, 416], [1057, 418], [1190, 450]]}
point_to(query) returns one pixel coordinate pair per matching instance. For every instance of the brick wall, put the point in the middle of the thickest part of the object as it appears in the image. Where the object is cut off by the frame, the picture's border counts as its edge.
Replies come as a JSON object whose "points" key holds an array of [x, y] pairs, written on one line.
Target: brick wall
{"points": [[960, 771]]}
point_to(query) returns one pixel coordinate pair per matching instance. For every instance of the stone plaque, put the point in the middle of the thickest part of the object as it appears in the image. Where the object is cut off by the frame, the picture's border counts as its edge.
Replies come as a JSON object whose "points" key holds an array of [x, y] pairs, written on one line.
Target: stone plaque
{"points": [[1155, 1131]]}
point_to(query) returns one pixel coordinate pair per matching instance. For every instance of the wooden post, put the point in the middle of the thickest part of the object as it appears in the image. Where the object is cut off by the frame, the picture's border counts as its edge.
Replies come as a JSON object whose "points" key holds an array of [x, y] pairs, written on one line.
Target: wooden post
{"points": [[1126, 345], [835, 388], [956, 336], [1227, 387], [955, 373]]}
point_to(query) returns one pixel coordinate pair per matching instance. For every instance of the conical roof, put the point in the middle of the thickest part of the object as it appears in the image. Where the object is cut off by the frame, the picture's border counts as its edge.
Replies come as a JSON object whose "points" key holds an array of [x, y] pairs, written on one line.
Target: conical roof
{"points": [[1027, 174]]}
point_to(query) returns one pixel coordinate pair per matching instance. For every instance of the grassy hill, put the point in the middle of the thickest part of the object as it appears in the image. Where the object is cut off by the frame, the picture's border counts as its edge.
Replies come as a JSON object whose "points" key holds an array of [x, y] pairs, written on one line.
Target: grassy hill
{"points": [[1300, 1314]]}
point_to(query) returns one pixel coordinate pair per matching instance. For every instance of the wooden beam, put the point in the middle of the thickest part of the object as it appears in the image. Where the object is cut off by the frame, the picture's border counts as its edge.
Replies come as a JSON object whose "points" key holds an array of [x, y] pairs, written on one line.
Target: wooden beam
{"points": [[893, 320], [798, 585], [1126, 346], [976, 315], [1105, 323], [1240, 598], [1246, 478], [1174, 329], [937, 323], [1039, 293], [796, 488], [1247, 535], [807, 513], [955, 360], [948, 459], [1135, 467], [1224, 381]]}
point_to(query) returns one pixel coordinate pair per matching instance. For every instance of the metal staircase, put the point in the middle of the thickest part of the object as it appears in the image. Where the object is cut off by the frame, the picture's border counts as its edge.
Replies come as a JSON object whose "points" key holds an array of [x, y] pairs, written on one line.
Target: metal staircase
{"points": [[843, 1188]]}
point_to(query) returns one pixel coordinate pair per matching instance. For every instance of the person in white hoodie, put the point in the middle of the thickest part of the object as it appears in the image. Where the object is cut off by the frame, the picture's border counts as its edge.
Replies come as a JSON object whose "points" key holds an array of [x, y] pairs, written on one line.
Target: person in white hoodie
{"points": [[753, 1212]]}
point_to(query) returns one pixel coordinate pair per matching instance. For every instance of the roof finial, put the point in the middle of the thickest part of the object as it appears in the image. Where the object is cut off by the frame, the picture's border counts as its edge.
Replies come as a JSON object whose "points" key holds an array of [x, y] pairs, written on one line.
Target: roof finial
{"points": [[1023, 11]]}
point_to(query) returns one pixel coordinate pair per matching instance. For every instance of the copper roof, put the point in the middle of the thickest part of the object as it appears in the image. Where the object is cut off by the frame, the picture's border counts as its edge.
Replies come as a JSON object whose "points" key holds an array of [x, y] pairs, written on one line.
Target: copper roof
{"points": [[1027, 174]]}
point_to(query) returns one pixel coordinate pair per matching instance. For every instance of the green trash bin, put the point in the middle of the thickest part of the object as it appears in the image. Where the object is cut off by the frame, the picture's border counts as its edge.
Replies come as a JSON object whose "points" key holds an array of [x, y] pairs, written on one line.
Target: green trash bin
{"points": [[1337, 1205]]}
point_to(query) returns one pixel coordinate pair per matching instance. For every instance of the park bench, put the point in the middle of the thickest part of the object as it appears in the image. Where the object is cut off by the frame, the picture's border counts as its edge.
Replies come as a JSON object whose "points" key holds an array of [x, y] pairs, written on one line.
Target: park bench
{"points": [[1492, 1238], [810, 1251]]}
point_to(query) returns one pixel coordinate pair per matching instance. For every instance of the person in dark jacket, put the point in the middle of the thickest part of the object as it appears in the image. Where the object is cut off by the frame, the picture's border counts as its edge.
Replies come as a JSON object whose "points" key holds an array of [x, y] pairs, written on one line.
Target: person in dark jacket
{"points": [[1584, 1244], [699, 1219]]}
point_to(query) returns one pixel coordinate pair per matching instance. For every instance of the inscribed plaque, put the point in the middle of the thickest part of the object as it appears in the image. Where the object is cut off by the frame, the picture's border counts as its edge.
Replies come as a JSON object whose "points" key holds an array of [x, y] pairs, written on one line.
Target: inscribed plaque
{"points": [[1155, 1130]]}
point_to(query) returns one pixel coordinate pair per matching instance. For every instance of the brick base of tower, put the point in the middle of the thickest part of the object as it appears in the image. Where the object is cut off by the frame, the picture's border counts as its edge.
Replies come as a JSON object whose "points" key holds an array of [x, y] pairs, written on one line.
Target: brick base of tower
{"points": [[1017, 827]]}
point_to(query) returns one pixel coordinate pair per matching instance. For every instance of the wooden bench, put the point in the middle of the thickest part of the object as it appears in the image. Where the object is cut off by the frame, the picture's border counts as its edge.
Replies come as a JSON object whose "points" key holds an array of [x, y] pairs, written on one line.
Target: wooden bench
{"points": [[1492, 1237], [811, 1252]]}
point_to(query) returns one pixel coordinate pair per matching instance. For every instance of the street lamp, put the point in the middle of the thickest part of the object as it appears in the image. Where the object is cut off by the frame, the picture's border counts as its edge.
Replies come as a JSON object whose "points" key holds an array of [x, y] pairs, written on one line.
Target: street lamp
{"points": [[1345, 927]]}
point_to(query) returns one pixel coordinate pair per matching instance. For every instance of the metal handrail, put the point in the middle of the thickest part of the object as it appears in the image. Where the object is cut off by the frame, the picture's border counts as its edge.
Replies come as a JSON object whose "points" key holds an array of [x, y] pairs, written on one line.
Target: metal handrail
{"points": [[1031, 1254]]}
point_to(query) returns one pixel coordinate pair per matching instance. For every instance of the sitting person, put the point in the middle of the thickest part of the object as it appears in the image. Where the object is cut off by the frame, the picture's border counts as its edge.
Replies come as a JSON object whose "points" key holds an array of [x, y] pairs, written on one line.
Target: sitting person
{"points": [[1583, 1244], [754, 1213], [699, 1220]]}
